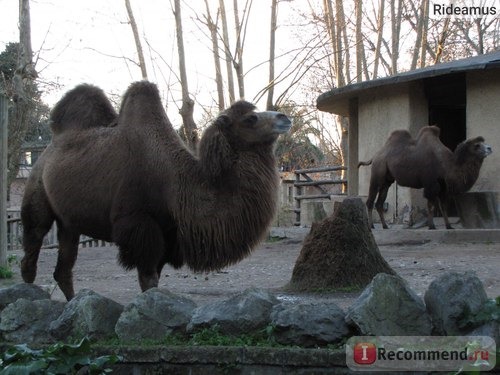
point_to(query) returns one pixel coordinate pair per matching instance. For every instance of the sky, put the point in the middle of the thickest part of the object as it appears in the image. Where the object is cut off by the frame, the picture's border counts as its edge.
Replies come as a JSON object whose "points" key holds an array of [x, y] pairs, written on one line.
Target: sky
{"points": [[90, 41]]}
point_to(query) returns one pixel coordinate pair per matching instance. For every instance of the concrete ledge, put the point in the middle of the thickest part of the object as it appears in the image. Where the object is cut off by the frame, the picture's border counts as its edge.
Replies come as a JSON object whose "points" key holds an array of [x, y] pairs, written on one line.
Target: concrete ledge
{"points": [[227, 360], [397, 235], [394, 236]]}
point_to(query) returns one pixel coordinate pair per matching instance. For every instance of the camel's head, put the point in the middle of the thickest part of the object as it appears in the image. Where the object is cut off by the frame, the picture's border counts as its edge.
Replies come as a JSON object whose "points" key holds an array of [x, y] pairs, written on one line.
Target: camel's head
{"points": [[246, 127], [474, 147]]}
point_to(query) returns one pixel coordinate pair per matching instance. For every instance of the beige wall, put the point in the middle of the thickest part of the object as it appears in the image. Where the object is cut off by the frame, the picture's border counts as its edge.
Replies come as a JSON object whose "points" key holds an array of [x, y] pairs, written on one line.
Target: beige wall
{"points": [[380, 112], [483, 118]]}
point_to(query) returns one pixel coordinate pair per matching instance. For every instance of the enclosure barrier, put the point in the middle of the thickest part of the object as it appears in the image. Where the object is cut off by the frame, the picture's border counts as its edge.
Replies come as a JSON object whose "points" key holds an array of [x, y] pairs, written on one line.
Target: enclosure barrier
{"points": [[302, 180], [15, 232]]}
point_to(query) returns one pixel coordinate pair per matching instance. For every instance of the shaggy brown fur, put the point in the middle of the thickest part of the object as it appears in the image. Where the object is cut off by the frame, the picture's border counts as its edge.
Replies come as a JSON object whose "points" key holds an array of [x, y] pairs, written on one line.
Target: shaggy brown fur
{"points": [[137, 184], [425, 163]]}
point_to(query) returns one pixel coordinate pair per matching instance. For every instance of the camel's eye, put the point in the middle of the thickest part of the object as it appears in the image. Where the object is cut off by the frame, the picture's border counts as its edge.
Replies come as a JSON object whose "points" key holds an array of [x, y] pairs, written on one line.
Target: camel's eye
{"points": [[250, 120], [477, 146]]}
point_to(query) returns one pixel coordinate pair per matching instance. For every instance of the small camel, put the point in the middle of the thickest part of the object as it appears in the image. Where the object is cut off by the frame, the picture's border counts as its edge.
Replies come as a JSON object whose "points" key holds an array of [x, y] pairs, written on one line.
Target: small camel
{"points": [[425, 163], [129, 179]]}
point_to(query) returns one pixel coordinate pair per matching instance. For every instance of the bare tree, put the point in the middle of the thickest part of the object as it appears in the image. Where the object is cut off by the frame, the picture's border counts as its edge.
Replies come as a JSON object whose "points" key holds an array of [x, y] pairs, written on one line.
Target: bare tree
{"points": [[137, 40], [240, 43], [212, 27], [272, 47], [23, 92], [227, 52], [396, 9], [187, 109], [425, 26], [441, 41], [359, 41], [380, 33]]}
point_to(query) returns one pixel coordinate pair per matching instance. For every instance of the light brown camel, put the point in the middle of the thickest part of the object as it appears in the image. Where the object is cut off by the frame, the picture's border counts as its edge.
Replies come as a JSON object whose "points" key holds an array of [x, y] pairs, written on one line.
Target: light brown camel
{"points": [[136, 184], [425, 163]]}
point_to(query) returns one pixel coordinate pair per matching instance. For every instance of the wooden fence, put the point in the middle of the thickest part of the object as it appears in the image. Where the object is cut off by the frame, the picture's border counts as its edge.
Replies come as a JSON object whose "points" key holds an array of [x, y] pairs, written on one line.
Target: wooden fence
{"points": [[15, 235], [303, 180]]}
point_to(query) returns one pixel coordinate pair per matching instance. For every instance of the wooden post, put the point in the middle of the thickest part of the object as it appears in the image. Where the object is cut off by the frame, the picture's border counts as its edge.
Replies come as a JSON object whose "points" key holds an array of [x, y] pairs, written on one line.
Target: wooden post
{"points": [[3, 180], [298, 193]]}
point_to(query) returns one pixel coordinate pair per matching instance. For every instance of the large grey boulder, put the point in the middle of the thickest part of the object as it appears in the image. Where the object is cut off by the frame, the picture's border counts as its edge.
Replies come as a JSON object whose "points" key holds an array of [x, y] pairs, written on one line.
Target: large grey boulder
{"points": [[245, 312], [450, 297], [388, 307], [26, 321], [154, 314], [87, 314], [308, 325], [30, 292]]}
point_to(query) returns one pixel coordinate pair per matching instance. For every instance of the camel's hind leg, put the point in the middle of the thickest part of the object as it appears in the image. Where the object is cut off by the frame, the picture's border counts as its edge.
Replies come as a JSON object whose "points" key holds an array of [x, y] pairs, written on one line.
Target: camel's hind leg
{"points": [[379, 205], [37, 219], [66, 258], [372, 194]]}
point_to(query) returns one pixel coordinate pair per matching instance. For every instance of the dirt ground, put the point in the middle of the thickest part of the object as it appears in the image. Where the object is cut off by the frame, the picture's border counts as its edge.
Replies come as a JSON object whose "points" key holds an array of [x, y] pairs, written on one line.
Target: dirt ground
{"points": [[270, 266]]}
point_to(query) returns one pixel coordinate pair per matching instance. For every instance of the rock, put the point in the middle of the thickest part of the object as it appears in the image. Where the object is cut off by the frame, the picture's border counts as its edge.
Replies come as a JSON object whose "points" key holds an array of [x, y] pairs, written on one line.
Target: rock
{"points": [[339, 252], [450, 297], [26, 321], [490, 329], [308, 325], [87, 314], [388, 307], [30, 292], [243, 313], [154, 314]]}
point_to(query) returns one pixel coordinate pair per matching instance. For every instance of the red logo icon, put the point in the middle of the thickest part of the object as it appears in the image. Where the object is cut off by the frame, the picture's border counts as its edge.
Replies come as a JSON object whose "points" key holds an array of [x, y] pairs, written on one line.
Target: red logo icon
{"points": [[365, 353]]}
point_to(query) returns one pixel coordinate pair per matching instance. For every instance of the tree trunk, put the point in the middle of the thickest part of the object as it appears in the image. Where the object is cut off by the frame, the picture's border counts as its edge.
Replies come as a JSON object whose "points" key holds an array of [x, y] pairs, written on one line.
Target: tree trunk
{"points": [[238, 60], [137, 40], [380, 31], [441, 41], [23, 92], [187, 109], [425, 18], [215, 49], [3, 179], [272, 45], [227, 50], [396, 31], [418, 40], [359, 41], [342, 33]]}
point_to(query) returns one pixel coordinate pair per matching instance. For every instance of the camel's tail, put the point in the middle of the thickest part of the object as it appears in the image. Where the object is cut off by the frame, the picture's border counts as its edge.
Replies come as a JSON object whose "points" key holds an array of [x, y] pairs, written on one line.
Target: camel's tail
{"points": [[83, 107], [369, 162]]}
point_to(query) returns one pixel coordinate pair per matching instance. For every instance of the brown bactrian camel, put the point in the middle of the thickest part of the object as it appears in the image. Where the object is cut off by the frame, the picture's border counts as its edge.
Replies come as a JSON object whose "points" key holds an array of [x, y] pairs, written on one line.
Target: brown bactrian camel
{"points": [[136, 184], [425, 163]]}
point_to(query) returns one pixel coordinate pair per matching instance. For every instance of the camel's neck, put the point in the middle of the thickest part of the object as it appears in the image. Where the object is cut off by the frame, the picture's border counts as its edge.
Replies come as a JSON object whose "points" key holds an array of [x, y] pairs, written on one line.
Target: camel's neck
{"points": [[222, 217], [463, 175]]}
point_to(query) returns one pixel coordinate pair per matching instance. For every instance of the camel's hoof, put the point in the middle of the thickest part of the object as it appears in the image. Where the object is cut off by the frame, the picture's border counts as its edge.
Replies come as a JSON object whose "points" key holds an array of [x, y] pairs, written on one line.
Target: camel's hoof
{"points": [[385, 227], [449, 227], [432, 227]]}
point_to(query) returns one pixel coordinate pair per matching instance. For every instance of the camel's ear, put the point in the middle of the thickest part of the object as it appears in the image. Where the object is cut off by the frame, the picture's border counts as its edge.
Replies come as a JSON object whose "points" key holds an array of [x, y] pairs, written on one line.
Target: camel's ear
{"points": [[215, 152]]}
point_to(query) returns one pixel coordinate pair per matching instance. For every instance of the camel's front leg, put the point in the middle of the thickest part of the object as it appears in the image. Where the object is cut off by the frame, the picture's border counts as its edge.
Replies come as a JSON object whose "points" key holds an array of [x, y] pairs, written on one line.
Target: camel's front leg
{"points": [[66, 258], [444, 213], [141, 244], [147, 279]]}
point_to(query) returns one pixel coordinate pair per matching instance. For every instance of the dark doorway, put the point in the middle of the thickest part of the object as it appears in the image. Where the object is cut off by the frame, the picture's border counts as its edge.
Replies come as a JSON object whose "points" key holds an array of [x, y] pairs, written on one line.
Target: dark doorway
{"points": [[446, 96], [447, 99]]}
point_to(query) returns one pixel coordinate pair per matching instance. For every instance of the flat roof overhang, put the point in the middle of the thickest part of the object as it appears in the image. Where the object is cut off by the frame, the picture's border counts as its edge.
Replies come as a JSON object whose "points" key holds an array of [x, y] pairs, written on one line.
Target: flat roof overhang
{"points": [[337, 100]]}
